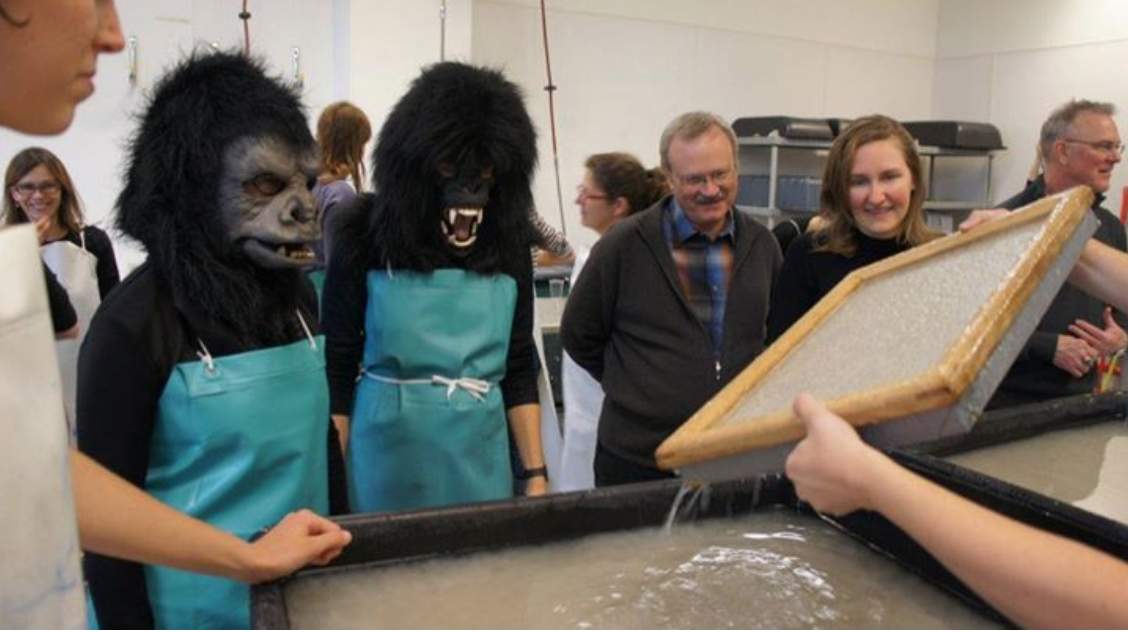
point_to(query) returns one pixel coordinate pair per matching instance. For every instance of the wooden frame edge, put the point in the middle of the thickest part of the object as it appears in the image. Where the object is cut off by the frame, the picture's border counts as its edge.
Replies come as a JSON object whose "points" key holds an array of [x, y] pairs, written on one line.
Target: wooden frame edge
{"points": [[700, 439]]}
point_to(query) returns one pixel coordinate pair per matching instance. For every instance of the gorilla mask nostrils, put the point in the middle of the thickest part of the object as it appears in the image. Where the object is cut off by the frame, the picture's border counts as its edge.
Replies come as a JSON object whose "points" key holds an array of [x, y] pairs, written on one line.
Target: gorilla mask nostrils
{"points": [[270, 213], [464, 200]]}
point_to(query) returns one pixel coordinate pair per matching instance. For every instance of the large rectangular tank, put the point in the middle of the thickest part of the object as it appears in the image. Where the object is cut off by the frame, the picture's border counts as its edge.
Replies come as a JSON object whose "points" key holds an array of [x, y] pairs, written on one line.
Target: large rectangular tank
{"points": [[383, 540]]}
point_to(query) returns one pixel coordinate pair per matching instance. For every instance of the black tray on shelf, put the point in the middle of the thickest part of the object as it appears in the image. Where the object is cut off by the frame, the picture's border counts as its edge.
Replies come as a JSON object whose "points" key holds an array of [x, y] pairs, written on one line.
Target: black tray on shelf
{"points": [[786, 126], [956, 134]]}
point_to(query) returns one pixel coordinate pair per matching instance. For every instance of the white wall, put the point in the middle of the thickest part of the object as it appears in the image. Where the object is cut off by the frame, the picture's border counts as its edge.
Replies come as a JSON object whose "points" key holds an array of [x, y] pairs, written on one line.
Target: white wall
{"points": [[391, 40], [624, 69], [362, 50], [1010, 62]]}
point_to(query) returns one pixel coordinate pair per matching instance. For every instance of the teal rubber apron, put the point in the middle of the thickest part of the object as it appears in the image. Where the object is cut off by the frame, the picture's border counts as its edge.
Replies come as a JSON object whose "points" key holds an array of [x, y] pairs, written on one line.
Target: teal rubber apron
{"points": [[240, 441], [428, 426]]}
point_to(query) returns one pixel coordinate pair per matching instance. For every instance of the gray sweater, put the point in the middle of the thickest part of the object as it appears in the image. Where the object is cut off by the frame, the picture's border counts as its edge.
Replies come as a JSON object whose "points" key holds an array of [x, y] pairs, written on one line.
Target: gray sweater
{"points": [[629, 325]]}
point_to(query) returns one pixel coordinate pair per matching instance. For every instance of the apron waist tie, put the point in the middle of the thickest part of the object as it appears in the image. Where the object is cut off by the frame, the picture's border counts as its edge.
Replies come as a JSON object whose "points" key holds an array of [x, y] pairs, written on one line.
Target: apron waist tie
{"points": [[473, 386]]}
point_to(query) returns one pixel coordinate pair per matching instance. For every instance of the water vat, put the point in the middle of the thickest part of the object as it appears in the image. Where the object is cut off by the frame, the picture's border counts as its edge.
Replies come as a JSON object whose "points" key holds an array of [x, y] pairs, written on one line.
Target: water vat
{"points": [[775, 569], [405, 539]]}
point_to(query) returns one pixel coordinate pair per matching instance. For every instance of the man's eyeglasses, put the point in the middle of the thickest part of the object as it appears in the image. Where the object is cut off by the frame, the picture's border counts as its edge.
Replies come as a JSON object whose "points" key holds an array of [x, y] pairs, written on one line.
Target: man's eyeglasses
{"points": [[583, 195], [698, 180], [1107, 146], [28, 189]]}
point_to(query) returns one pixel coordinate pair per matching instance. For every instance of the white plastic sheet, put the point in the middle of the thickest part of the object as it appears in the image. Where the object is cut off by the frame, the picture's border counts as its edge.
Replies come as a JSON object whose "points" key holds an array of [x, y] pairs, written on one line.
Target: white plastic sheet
{"points": [[40, 574]]}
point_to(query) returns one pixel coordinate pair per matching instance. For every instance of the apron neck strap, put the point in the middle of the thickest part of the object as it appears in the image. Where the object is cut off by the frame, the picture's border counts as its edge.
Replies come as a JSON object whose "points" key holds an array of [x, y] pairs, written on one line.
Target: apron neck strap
{"points": [[305, 327], [205, 356]]}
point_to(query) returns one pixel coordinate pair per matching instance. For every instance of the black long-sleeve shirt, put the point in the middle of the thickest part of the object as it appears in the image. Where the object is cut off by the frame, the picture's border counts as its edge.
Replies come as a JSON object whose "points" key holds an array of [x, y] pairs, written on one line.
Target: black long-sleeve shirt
{"points": [[807, 276], [63, 316]]}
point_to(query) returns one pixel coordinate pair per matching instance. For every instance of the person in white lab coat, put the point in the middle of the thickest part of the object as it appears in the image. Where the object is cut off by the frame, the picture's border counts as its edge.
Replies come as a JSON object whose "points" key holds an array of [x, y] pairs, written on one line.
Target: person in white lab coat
{"points": [[614, 186]]}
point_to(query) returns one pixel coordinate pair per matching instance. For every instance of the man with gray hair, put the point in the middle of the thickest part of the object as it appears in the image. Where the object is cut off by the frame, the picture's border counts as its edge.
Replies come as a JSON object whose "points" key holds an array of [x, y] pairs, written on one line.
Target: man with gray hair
{"points": [[1068, 353], [673, 301]]}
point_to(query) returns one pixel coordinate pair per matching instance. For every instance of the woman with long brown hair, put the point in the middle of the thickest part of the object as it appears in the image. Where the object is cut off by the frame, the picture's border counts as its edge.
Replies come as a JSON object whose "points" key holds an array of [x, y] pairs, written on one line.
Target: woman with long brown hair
{"points": [[41, 192], [342, 132], [872, 208]]}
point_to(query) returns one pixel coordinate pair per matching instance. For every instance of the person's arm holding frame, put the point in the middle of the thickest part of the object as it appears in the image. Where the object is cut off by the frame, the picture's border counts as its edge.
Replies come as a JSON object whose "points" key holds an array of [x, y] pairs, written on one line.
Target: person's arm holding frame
{"points": [[1101, 271], [1035, 578]]}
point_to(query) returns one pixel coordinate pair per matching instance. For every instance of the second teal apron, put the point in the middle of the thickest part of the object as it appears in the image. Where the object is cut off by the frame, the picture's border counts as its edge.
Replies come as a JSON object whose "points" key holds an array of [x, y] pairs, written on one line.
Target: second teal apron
{"points": [[428, 426], [240, 441]]}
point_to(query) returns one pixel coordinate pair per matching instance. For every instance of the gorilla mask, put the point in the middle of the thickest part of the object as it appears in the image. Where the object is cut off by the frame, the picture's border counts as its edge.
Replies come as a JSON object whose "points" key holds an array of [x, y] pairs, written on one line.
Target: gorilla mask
{"points": [[265, 202], [452, 172], [217, 190]]}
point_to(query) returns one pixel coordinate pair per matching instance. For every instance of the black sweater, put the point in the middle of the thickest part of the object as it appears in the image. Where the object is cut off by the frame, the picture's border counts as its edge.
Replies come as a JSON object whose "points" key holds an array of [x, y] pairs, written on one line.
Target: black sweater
{"points": [[807, 276]]}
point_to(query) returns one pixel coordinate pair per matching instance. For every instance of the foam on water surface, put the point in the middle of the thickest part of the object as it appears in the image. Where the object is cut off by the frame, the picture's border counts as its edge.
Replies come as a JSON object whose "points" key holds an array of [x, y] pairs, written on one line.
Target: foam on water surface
{"points": [[774, 569]]}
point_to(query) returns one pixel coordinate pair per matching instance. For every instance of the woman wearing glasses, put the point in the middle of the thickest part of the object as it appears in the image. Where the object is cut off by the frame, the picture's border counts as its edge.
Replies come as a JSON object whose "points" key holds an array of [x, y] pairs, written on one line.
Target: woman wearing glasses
{"points": [[615, 185], [40, 192]]}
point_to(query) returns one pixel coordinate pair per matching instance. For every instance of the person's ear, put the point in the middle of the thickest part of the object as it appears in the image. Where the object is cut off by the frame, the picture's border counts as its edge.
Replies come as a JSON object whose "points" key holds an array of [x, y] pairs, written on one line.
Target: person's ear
{"points": [[1060, 155], [620, 207]]}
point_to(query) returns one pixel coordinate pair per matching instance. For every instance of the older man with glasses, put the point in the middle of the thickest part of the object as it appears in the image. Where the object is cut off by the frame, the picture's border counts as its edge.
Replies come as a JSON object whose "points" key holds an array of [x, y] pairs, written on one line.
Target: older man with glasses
{"points": [[1071, 351], [673, 301]]}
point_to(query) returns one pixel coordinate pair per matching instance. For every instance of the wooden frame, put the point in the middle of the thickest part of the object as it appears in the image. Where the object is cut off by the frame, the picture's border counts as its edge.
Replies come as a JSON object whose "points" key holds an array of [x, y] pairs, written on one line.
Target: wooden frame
{"points": [[1057, 226]]}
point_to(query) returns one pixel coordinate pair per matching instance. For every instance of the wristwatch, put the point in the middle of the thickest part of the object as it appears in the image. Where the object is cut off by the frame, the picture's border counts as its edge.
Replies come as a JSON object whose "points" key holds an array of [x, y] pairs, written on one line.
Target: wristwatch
{"points": [[534, 472]]}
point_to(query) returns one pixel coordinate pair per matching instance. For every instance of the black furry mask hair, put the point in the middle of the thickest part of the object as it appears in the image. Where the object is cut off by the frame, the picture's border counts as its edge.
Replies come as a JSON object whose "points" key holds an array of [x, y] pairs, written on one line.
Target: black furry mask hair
{"points": [[461, 116], [170, 202]]}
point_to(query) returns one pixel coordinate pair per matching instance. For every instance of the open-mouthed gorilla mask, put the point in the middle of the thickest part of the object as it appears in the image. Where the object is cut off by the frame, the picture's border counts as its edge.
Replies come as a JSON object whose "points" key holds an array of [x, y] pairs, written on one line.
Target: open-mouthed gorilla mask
{"points": [[266, 204], [466, 192]]}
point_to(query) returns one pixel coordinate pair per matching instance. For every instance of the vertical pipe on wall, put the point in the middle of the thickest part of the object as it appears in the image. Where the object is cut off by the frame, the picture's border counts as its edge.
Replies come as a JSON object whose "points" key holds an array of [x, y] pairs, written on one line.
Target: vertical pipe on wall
{"points": [[551, 89], [442, 30]]}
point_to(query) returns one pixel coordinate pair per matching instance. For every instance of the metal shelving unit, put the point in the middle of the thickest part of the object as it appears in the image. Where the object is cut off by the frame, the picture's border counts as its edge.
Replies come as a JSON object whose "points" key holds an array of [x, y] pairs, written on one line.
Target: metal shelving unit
{"points": [[946, 212], [774, 145]]}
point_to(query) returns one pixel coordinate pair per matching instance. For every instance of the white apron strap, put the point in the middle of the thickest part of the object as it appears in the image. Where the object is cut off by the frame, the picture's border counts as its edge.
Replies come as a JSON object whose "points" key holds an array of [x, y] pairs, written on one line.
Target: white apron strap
{"points": [[476, 388], [308, 333]]}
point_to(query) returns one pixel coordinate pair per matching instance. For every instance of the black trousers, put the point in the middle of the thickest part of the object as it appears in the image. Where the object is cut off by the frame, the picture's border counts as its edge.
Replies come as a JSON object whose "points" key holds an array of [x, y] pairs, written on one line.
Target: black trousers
{"points": [[614, 470]]}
